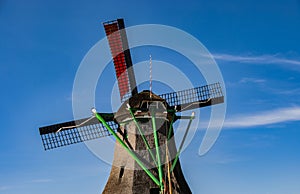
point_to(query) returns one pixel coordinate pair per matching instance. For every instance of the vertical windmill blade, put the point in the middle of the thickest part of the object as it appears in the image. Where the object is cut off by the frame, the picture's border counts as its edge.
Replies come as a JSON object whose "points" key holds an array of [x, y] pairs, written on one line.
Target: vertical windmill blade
{"points": [[117, 39]]}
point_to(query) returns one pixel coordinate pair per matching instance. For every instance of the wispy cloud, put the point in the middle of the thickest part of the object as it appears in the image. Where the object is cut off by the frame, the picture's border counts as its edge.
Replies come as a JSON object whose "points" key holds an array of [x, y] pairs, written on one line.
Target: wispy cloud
{"points": [[41, 181], [4, 188], [261, 59], [264, 118], [229, 159], [289, 92], [252, 80]]}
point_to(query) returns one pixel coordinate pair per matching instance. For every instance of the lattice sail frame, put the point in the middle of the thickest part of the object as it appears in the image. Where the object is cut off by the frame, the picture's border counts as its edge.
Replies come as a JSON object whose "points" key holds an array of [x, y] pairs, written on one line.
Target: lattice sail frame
{"points": [[118, 43], [195, 98], [67, 133]]}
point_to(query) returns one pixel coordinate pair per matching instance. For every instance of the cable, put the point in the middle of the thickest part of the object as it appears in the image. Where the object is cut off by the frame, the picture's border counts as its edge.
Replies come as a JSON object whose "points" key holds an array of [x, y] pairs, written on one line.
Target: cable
{"points": [[75, 126], [196, 103]]}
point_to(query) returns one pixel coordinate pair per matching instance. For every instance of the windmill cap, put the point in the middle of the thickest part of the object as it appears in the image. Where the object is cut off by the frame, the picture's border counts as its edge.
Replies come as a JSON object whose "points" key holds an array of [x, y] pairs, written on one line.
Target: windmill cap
{"points": [[136, 102]]}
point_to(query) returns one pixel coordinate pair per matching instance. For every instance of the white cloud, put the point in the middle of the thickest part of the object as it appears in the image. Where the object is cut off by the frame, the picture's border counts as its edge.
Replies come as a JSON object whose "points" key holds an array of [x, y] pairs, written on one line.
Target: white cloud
{"points": [[229, 159], [252, 80], [290, 92], [41, 180], [4, 188], [264, 118], [261, 59]]}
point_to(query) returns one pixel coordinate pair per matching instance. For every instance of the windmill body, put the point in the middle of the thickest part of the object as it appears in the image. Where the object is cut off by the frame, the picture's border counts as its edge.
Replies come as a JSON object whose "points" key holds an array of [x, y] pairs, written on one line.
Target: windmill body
{"points": [[126, 176], [145, 156]]}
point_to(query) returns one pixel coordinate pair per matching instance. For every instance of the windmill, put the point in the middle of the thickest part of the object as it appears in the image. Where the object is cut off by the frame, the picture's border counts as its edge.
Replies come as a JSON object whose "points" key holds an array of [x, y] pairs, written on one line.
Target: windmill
{"points": [[146, 158]]}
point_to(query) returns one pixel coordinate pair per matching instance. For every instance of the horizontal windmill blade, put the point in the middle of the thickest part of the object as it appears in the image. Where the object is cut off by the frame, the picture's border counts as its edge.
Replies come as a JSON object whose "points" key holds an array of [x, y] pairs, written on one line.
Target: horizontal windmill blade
{"points": [[195, 98], [118, 43], [72, 132]]}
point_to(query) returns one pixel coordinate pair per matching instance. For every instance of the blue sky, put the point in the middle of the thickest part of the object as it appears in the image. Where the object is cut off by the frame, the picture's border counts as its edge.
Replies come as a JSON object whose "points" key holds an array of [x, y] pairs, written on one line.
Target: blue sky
{"points": [[255, 43]]}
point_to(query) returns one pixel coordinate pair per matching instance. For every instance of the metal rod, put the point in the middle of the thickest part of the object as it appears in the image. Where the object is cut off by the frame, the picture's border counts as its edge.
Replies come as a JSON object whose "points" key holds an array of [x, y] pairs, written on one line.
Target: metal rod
{"points": [[142, 134], [182, 142], [132, 154], [150, 79], [157, 149]]}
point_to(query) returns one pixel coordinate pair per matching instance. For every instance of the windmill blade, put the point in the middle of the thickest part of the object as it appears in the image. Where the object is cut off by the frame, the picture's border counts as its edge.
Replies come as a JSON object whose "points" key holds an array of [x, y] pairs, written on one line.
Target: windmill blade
{"points": [[195, 98], [72, 132], [117, 39]]}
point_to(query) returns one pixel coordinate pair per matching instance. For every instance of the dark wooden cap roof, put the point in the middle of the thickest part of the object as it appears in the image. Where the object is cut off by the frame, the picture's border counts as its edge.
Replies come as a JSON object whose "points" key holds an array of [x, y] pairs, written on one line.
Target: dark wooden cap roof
{"points": [[136, 102]]}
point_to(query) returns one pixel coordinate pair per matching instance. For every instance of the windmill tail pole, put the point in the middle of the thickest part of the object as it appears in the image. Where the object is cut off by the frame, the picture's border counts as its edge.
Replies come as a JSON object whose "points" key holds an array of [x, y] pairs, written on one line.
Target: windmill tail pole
{"points": [[182, 142], [142, 134], [160, 173], [171, 126], [132, 154]]}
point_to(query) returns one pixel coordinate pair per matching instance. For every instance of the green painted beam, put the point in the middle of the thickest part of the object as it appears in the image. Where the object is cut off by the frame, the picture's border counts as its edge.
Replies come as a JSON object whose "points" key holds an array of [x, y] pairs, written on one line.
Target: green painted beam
{"points": [[160, 174], [132, 154], [142, 134], [182, 142]]}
